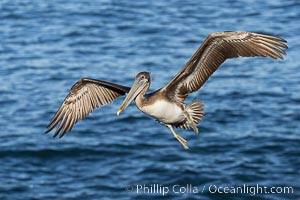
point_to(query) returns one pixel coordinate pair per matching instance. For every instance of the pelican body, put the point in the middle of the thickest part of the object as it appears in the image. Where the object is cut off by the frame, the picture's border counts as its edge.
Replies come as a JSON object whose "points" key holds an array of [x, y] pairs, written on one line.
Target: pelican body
{"points": [[167, 104]]}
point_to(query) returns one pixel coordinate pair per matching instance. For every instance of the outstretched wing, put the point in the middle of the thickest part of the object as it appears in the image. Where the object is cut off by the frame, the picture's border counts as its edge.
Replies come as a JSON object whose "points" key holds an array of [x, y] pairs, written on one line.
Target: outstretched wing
{"points": [[214, 51], [85, 95]]}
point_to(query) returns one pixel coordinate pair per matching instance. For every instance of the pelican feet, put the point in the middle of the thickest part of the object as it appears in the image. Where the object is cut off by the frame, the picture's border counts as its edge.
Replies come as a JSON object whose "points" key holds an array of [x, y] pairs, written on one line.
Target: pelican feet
{"points": [[178, 137]]}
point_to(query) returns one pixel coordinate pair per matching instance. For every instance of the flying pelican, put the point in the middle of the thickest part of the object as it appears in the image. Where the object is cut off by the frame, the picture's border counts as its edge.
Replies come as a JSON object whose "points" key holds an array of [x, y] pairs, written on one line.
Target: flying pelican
{"points": [[167, 103]]}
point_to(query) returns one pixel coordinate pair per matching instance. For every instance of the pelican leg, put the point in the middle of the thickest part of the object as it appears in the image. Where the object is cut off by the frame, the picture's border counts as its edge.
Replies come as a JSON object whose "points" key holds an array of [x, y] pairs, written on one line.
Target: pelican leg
{"points": [[191, 122], [178, 137]]}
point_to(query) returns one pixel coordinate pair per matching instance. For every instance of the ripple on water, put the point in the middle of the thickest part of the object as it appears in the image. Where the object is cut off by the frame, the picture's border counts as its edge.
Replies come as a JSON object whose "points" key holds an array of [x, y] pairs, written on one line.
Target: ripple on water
{"points": [[249, 134]]}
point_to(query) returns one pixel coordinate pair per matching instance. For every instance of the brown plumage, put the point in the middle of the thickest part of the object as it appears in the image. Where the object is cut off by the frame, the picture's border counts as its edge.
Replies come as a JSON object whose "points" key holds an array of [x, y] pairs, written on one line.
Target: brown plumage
{"points": [[214, 51], [85, 95], [167, 104]]}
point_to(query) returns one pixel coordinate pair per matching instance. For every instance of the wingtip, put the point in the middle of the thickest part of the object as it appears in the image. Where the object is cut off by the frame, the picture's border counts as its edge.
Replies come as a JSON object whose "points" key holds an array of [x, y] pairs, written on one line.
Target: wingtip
{"points": [[47, 130], [281, 40]]}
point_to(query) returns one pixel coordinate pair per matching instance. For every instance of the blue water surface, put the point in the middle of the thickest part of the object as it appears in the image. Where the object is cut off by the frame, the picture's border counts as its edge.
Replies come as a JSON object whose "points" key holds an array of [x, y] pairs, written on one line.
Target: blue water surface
{"points": [[249, 137]]}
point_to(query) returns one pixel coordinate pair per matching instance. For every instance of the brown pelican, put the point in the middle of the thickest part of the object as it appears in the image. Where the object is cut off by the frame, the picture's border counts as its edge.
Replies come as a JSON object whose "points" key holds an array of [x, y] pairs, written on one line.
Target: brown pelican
{"points": [[167, 103]]}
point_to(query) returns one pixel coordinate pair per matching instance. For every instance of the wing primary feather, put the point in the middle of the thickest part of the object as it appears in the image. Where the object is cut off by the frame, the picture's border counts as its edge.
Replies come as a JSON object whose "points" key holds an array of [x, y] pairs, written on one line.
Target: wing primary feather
{"points": [[274, 42], [66, 124], [276, 48], [60, 125], [57, 119], [270, 52], [273, 37], [58, 113]]}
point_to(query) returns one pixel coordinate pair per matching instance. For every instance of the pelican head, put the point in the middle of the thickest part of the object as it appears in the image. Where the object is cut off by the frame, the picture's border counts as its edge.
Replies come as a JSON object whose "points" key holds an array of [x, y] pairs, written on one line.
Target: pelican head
{"points": [[142, 81]]}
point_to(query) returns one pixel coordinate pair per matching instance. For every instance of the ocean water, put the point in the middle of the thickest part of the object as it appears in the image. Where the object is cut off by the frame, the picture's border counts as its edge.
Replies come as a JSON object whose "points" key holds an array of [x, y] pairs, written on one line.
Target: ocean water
{"points": [[249, 141]]}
